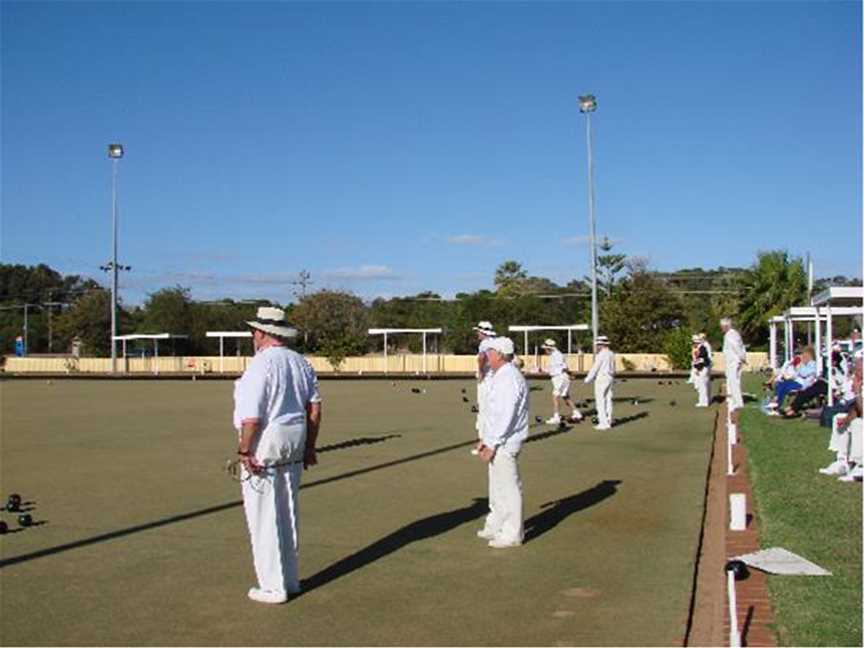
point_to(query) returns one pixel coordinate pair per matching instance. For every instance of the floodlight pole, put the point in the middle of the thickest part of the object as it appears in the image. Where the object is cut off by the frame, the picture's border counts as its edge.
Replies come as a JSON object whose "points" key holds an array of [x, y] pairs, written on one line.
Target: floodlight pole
{"points": [[114, 153], [588, 104]]}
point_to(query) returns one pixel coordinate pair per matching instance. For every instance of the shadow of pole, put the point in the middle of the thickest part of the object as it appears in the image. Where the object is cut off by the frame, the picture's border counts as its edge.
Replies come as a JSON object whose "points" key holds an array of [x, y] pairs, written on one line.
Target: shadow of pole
{"points": [[422, 529], [559, 510]]}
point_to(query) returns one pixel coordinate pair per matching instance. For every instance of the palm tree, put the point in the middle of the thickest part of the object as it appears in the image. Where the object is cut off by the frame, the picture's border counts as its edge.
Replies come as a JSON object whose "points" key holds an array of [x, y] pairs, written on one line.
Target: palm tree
{"points": [[774, 283]]}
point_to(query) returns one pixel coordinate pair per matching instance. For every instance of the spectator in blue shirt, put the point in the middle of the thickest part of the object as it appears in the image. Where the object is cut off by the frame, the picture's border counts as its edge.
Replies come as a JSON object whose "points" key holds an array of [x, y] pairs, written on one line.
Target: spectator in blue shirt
{"points": [[805, 376]]}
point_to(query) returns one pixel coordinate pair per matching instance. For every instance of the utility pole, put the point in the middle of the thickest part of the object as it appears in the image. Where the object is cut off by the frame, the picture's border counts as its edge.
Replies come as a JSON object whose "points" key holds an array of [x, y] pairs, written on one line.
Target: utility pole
{"points": [[303, 279]]}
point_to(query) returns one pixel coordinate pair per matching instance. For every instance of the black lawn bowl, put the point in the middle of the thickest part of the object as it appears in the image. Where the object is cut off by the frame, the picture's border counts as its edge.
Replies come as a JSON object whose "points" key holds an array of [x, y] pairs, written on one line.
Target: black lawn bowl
{"points": [[465, 400], [3, 527], [13, 503], [739, 568], [464, 391], [672, 403], [595, 420], [25, 520], [415, 390], [538, 419], [474, 409]]}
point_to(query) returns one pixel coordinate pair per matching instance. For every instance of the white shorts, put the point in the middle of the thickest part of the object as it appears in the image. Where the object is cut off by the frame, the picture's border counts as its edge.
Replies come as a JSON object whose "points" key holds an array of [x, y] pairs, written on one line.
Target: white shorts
{"points": [[561, 386]]}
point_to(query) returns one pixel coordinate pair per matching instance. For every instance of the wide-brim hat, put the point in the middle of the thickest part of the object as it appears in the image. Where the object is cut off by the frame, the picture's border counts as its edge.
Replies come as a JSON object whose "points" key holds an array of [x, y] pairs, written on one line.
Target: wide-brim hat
{"points": [[696, 339], [502, 345], [602, 339], [485, 328], [272, 320], [548, 343]]}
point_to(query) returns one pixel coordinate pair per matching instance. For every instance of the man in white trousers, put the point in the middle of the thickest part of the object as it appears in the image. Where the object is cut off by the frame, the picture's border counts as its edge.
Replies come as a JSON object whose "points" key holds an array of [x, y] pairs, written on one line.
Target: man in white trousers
{"points": [[277, 413], [736, 357], [602, 374], [701, 372], [505, 429], [560, 376], [485, 334]]}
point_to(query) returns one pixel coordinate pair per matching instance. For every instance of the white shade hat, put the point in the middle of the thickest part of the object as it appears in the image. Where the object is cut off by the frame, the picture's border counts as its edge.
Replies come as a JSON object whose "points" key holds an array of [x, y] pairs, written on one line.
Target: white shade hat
{"points": [[602, 339], [485, 328], [272, 320], [549, 343], [502, 345]]}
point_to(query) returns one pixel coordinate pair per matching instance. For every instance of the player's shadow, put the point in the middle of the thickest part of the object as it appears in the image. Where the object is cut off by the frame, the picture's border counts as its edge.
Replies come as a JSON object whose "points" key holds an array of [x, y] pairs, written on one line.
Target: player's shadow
{"points": [[628, 419], [559, 510], [422, 529], [351, 443]]}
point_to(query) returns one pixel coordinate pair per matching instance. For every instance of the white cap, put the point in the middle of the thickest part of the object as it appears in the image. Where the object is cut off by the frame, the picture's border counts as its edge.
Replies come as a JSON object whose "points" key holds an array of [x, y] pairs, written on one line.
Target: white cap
{"points": [[549, 343], [502, 345], [602, 339], [485, 328]]}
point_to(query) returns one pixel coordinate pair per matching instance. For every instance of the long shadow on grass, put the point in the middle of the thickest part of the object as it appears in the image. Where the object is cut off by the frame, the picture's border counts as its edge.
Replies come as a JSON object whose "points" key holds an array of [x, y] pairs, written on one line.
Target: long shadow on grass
{"points": [[351, 443], [182, 517], [422, 529], [559, 510]]}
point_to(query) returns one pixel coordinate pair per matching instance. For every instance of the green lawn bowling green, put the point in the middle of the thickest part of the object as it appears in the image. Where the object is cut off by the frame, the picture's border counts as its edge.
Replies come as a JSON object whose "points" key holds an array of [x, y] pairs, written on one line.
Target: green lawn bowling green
{"points": [[142, 539]]}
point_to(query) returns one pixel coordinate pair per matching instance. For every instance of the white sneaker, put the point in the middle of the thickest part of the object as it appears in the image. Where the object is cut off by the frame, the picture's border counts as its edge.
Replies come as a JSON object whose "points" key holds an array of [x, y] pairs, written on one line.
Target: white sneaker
{"points": [[856, 474], [555, 420], [273, 597], [475, 451], [772, 405], [836, 468], [602, 428], [577, 416], [486, 535], [498, 543]]}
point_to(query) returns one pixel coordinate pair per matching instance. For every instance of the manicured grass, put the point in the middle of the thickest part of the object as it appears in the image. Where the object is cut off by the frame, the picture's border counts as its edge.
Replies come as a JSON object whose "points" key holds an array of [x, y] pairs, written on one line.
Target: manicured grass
{"points": [[143, 540], [814, 516]]}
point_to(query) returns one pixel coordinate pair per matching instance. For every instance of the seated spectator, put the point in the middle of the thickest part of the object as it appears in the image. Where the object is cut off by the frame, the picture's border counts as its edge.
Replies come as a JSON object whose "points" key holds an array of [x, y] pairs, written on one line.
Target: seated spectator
{"points": [[805, 376], [785, 372], [843, 390], [846, 443]]}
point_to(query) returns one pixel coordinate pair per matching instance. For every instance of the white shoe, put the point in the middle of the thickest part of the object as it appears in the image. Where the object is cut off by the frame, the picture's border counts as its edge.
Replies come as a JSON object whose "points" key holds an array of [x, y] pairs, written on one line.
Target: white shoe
{"points": [[273, 597], [772, 405], [555, 420], [486, 535], [498, 543], [856, 475], [577, 416], [602, 428], [836, 468], [475, 451]]}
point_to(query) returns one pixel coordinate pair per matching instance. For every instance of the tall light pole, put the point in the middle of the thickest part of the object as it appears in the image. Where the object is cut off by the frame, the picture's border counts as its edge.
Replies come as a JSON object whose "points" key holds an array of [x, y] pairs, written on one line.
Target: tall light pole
{"points": [[115, 152], [587, 105]]}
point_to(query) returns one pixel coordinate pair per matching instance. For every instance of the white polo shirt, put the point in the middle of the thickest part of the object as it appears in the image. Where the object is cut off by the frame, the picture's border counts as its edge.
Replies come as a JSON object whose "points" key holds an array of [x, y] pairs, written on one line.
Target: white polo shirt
{"points": [[557, 364], [603, 367], [275, 388], [507, 411], [733, 349]]}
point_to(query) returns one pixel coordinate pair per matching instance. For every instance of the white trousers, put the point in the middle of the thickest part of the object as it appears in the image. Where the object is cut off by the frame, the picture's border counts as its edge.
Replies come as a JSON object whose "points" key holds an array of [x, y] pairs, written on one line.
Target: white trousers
{"points": [[603, 401], [703, 386], [847, 444], [733, 388], [504, 520], [270, 501]]}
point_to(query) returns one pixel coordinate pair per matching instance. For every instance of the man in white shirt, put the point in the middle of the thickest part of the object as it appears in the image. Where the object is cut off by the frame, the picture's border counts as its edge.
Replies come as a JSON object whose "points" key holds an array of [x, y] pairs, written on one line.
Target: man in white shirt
{"points": [[505, 429], [736, 357], [277, 413], [602, 374], [560, 376], [485, 334]]}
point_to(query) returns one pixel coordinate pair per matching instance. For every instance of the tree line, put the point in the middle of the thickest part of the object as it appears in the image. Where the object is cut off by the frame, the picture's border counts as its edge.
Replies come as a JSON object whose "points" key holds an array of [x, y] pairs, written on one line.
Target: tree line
{"points": [[641, 310]]}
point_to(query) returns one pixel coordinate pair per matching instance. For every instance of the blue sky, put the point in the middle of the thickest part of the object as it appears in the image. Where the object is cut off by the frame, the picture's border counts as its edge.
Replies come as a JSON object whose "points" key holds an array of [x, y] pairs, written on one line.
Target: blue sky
{"points": [[390, 148]]}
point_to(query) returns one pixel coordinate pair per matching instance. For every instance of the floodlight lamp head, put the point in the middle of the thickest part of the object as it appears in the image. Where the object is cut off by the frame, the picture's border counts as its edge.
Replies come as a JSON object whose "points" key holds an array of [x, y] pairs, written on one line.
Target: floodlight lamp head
{"points": [[115, 151], [587, 103]]}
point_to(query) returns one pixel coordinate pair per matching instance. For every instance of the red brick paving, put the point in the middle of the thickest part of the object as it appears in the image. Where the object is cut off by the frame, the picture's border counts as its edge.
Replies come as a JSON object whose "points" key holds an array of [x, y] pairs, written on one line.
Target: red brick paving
{"points": [[754, 611]]}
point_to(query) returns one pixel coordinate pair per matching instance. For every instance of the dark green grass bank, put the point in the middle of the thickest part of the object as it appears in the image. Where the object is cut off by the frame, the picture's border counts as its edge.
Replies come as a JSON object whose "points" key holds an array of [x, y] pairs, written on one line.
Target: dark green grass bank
{"points": [[144, 541], [814, 516]]}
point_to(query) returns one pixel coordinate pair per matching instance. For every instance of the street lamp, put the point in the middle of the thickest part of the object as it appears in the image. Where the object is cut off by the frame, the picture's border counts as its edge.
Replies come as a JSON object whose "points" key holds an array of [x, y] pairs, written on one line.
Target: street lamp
{"points": [[115, 152], [587, 105]]}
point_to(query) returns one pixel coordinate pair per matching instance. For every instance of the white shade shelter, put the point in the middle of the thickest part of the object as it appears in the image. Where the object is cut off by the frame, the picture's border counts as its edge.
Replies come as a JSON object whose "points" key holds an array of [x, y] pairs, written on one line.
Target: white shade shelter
{"points": [[148, 336], [525, 329], [836, 301], [396, 331], [226, 334]]}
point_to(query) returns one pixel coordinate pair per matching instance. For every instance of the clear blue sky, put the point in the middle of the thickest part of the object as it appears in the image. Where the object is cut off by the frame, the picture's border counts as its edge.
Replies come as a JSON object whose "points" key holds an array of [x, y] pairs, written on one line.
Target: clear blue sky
{"points": [[390, 148]]}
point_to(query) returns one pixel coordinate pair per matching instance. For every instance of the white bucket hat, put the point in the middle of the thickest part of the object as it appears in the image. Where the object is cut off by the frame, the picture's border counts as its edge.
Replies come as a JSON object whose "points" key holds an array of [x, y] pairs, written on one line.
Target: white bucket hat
{"points": [[272, 320], [485, 328], [549, 343], [602, 339], [503, 345], [696, 339]]}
